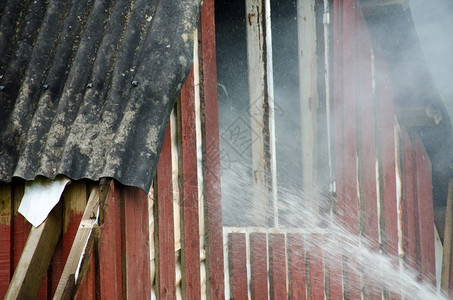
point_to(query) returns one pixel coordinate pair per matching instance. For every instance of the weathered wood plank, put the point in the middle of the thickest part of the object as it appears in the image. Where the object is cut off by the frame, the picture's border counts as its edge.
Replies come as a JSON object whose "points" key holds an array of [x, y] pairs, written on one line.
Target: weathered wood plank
{"points": [[448, 232], [349, 213], [164, 231], [308, 94], [296, 266], [211, 152], [411, 244], [386, 153], [316, 266], [258, 266], [135, 243], [426, 214], [262, 123], [21, 227], [6, 212], [277, 266], [109, 244], [36, 255], [80, 241], [237, 254], [74, 201], [334, 272], [191, 282], [87, 287]]}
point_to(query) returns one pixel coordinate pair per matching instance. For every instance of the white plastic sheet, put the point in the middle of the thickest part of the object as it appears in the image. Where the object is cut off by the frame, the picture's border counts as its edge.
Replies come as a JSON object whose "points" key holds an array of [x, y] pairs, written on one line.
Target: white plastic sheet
{"points": [[40, 197]]}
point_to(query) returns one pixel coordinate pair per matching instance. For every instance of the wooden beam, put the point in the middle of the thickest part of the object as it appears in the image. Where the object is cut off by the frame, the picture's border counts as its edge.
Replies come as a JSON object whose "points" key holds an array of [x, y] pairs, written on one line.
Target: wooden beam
{"points": [[34, 261], [80, 241]]}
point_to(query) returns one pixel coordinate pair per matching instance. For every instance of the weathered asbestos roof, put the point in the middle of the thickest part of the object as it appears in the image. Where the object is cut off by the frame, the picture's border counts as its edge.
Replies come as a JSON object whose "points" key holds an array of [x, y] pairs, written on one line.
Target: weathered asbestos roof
{"points": [[87, 86]]}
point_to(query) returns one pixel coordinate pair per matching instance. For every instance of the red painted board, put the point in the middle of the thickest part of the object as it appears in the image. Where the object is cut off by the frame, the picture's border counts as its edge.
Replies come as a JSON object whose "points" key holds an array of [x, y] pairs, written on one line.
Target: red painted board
{"points": [[387, 153], [337, 104], [21, 227], [350, 209], [277, 266], [258, 266], [316, 266], [135, 246], [109, 244], [6, 208], [166, 287], [367, 136], [411, 245], [334, 272], [87, 287], [237, 254], [210, 128], [426, 212], [296, 266], [351, 201], [189, 201]]}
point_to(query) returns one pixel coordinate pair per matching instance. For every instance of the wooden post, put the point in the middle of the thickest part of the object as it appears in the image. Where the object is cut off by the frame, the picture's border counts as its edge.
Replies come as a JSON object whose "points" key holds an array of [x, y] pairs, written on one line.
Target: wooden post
{"points": [[261, 97]]}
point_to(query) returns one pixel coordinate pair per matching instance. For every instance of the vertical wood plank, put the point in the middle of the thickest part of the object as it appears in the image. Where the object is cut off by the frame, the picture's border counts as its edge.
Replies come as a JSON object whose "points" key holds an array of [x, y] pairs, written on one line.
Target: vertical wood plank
{"points": [[21, 227], [109, 244], [426, 212], [135, 238], [277, 266], [448, 232], [316, 266], [211, 175], [335, 272], [367, 137], [296, 266], [191, 282], [6, 208], [87, 287], [258, 266], [351, 202], [367, 150], [409, 207], [387, 155], [164, 231], [238, 266]]}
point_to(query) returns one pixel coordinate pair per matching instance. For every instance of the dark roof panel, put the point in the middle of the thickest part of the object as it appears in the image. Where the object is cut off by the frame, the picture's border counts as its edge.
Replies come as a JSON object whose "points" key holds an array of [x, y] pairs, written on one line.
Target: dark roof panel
{"points": [[87, 86]]}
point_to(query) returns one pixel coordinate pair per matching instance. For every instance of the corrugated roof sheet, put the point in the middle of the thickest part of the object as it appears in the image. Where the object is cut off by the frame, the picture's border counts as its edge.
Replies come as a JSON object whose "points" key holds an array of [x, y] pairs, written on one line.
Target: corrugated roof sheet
{"points": [[87, 86]]}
